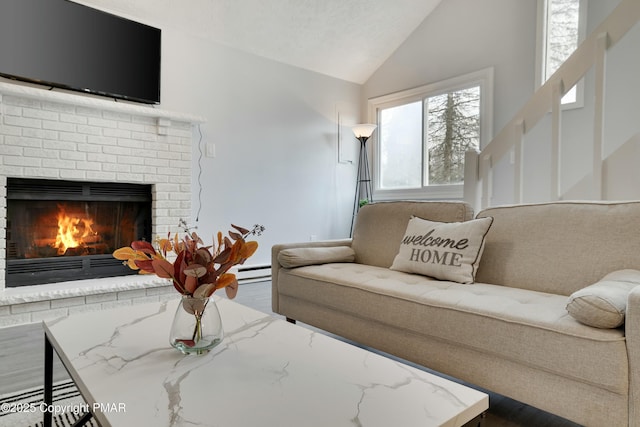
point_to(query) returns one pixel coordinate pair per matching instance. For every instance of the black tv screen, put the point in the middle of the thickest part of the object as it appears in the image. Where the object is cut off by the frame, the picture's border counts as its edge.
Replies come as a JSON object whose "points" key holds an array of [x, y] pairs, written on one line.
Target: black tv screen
{"points": [[63, 44]]}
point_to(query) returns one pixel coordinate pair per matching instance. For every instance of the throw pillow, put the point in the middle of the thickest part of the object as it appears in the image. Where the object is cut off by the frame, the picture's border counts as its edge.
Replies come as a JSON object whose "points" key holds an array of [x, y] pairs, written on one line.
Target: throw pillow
{"points": [[604, 304], [446, 251], [298, 257]]}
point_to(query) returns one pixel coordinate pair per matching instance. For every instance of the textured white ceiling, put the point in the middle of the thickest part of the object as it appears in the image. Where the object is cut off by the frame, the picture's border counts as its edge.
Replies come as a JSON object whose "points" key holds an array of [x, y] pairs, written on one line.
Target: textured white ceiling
{"points": [[347, 39]]}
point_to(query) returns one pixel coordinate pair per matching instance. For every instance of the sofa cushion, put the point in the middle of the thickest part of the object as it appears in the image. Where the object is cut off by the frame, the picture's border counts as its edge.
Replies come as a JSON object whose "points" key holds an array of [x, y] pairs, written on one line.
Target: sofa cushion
{"points": [[297, 257], [447, 251], [604, 304], [379, 226], [526, 327], [559, 247]]}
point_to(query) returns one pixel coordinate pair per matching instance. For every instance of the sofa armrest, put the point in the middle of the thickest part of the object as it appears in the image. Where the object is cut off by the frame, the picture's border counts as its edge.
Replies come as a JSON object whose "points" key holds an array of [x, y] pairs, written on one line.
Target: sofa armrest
{"points": [[276, 267], [632, 335]]}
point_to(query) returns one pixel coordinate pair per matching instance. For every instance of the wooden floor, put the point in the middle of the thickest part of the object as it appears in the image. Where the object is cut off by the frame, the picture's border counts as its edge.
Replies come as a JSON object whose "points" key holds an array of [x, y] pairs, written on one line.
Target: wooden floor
{"points": [[22, 360]]}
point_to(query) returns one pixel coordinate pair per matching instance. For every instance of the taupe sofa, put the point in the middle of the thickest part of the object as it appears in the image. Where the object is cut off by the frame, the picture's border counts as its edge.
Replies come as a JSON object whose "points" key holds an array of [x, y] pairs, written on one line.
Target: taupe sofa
{"points": [[508, 332]]}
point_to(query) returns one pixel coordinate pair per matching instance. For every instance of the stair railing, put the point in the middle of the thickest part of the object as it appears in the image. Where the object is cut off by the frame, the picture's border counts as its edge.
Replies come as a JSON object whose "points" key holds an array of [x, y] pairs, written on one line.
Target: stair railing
{"points": [[478, 179]]}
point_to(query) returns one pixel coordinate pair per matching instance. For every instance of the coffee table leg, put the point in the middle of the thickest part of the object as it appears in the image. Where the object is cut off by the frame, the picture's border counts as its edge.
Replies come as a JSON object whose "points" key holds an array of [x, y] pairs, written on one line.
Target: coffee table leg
{"points": [[48, 380]]}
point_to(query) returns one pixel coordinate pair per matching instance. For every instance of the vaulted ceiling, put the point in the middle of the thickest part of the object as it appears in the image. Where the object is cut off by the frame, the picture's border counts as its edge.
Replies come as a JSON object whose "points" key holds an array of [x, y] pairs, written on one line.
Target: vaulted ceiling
{"points": [[346, 39]]}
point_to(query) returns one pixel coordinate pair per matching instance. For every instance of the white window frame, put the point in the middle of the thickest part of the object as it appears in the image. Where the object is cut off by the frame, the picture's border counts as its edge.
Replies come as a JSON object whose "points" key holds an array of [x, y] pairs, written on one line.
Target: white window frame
{"points": [[482, 78], [541, 54]]}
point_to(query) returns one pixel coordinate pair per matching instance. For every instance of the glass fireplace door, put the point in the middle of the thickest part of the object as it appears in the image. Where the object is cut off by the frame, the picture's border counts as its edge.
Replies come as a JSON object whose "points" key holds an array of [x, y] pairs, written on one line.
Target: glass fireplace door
{"points": [[70, 231]]}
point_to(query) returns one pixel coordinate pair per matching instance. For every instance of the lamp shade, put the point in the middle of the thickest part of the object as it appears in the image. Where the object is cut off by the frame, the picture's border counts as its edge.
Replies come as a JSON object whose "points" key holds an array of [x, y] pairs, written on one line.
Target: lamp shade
{"points": [[363, 130]]}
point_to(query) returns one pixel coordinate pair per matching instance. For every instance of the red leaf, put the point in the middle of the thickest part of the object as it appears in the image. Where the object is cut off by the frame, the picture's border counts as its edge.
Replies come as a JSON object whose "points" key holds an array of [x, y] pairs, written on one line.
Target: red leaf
{"points": [[178, 267], [178, 287], [242, 230], [203, 256], [190, 284], [187, 343], [143, 246], [232, 289], [162, 268], [145, 265], [235, 236], [223, 256]]}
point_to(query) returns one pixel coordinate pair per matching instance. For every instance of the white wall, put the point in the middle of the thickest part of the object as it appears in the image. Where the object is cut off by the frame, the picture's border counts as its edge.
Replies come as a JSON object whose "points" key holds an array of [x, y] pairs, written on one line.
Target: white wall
{"points": [[274, 126], [621, 129], [275, 134], [462, 36]]}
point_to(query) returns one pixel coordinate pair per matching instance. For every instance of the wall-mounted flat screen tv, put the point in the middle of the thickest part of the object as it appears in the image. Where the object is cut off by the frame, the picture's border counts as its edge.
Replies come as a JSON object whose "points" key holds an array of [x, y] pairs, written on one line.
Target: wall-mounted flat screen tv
{"points": [[63, 44]]}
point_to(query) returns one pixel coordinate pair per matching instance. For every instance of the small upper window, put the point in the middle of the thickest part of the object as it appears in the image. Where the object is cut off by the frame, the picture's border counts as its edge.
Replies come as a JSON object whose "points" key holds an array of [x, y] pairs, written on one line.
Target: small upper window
{"points": [[561, 31]]}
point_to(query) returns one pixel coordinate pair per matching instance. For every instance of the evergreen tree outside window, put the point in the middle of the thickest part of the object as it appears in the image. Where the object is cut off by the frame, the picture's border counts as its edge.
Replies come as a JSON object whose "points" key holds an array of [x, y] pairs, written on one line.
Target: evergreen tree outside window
{"points": [[453, 128], [424, 133]]}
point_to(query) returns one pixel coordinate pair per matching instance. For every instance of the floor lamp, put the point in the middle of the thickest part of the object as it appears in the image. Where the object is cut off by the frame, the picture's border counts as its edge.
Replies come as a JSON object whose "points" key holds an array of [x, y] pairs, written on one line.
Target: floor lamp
{"points": [[364, 191]]}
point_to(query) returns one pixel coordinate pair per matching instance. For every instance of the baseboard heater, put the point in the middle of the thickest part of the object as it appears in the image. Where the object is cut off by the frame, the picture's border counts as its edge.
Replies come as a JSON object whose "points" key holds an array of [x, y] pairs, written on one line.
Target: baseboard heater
{"points": [[256, 272]]}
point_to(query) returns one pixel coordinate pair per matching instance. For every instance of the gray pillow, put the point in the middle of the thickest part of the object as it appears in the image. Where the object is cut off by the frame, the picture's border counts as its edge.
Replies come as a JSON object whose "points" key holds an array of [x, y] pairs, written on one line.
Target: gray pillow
{"points": [[604, 304], [298, 257], [443, 250]]}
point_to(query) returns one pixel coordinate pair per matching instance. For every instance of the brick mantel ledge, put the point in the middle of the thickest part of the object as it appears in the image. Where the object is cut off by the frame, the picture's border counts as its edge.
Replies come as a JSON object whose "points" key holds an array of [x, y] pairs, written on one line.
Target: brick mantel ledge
{"points": [[92, 101]]}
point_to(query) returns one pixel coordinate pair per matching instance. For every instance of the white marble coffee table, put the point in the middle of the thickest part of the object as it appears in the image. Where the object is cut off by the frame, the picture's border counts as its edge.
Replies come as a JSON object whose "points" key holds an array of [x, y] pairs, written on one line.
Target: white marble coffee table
{"points": [[266, 372]]}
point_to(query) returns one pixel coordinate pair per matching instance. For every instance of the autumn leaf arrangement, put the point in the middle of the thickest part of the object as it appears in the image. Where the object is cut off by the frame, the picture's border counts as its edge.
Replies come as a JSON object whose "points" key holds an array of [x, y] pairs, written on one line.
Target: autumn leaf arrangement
{"points": [[195, 269]]}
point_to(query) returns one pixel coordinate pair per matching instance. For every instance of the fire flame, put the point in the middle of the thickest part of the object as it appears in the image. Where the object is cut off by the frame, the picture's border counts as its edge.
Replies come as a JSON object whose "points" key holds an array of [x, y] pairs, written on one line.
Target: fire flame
{"points": [[72, 232]]}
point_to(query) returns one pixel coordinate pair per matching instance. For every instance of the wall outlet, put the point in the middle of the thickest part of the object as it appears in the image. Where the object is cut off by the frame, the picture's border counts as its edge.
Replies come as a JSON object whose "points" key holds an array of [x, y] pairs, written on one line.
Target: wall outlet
{"points": [[210, 149]]}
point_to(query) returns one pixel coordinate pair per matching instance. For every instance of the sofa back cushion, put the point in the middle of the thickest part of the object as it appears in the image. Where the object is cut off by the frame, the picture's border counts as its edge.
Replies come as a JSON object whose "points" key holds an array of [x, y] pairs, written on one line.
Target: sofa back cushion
{"points": [[559, 247], [380, 226]]}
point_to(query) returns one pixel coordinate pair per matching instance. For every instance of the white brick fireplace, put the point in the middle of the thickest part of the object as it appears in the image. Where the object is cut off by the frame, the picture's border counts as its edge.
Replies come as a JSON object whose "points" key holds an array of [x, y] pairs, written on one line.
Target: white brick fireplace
{"points": [[54, 135]]}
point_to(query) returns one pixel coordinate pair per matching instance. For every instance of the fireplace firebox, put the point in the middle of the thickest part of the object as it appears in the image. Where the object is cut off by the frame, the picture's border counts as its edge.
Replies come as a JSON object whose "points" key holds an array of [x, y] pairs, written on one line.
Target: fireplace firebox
{"points": [[67, 230]]}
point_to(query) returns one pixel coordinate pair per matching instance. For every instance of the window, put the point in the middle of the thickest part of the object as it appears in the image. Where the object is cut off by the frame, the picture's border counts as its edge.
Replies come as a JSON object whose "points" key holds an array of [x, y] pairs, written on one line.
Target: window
{"points": [[424, 133], [561, 29]]}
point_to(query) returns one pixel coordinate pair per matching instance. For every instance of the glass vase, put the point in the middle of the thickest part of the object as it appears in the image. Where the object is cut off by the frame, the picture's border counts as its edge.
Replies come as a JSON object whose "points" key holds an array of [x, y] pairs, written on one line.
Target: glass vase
{"points": [[196, 327]]}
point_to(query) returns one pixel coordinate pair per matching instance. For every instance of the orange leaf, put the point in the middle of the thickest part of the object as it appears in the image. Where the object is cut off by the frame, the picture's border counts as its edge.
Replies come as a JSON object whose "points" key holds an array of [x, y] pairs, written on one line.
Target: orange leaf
{"points": [[234, 256], [227, 279], [124, 253], [248, 249], [165, 245], [131, 263]]}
